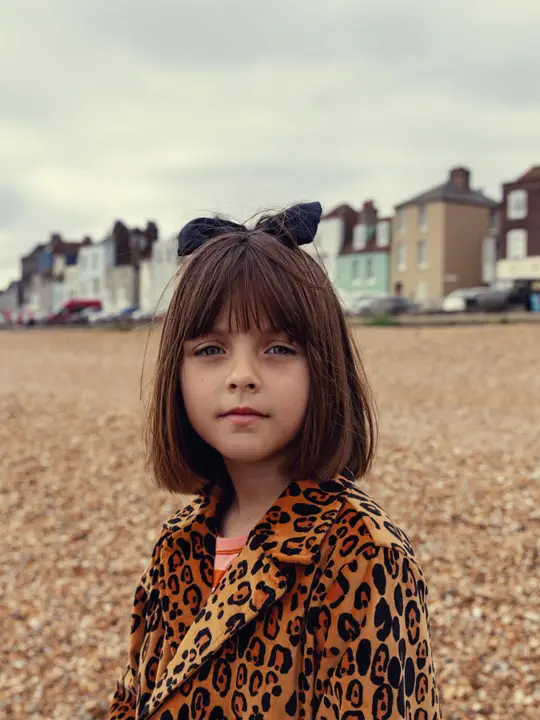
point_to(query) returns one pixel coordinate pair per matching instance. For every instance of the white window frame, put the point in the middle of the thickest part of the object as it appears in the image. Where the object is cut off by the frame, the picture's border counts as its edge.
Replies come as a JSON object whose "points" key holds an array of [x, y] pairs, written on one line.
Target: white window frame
{"points": [[96, 287], [516, 244], [401, 257], [383, 234], [422, 261], [422, 218], [516, 205]]}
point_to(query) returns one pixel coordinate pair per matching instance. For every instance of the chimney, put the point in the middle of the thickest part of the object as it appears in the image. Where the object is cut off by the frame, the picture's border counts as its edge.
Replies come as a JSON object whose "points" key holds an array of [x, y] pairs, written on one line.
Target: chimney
{"points": [[369, 213], [460, 176]]}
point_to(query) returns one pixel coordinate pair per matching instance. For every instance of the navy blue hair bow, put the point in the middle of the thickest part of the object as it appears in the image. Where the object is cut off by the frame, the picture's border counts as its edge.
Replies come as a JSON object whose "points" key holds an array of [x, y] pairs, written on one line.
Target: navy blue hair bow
{"points": [[299, 223]]}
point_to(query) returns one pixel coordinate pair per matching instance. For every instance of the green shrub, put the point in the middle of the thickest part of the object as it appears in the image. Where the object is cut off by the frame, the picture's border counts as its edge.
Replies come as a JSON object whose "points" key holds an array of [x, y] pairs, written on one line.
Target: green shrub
{"points": [[383, 320]]}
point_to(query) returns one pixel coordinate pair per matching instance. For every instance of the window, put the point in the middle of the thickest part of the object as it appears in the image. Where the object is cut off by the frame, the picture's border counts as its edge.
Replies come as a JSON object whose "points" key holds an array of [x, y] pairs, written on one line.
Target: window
{"points": [[422, 254], [83, 262], [383, 234], [401, 257], [422, 217], [516, 205], [95, 261], [96, 287], [494, 221], [370, 272], [359, 237], [516, 244]]}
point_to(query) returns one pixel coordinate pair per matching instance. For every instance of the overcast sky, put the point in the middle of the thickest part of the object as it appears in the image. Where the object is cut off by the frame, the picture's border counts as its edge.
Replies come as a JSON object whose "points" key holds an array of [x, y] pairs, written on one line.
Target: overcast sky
{"points": [[168, 109]]}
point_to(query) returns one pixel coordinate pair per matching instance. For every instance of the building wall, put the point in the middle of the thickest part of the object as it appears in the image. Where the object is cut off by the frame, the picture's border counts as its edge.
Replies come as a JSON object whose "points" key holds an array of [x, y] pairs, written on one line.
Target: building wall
{"points": [[10, 299], [421, 282], [327, 246], [466, 227], [59, 294], [146, 292], [527, 268], [71, 281], [40, 299], [363, 273], [120, 291], [157, 277], [93, 261], [531, 223]]}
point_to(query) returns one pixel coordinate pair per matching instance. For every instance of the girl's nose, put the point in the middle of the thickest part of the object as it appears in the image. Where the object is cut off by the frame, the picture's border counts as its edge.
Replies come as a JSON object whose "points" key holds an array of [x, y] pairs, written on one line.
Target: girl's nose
{"points": [[243, 375]]}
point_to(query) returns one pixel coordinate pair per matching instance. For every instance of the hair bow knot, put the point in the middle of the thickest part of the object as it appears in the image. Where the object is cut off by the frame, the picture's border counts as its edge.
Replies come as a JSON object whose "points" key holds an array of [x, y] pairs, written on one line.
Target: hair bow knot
{"points": [[299, 223]]}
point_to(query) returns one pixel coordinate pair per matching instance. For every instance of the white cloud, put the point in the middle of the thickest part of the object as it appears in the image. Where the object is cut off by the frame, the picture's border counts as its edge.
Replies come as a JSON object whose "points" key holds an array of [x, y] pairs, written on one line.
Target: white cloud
{"points": [[164, 110]]}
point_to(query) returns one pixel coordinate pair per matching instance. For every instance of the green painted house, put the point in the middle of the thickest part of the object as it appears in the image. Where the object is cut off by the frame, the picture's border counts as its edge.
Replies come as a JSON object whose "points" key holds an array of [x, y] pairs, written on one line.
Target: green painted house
{"points": [[363, 265]]}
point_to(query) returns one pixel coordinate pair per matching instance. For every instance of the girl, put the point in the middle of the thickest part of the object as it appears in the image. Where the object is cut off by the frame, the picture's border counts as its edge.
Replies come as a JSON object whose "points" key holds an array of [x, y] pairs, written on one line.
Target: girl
{"points": [[282, 590]]}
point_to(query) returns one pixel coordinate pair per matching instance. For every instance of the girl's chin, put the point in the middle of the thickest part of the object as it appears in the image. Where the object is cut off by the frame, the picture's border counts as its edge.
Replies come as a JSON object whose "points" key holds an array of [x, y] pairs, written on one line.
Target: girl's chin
{"points": [[248, 455]]}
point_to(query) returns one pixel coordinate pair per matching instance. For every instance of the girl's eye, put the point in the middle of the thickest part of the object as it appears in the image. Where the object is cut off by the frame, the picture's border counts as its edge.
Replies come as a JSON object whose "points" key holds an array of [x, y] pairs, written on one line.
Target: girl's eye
{"points": [[209, 351], [281, 350]]}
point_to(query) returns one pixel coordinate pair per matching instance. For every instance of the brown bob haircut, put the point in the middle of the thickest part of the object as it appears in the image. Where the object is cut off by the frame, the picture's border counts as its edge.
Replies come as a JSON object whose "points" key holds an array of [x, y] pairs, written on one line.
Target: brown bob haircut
{"points": [[262, 281]]}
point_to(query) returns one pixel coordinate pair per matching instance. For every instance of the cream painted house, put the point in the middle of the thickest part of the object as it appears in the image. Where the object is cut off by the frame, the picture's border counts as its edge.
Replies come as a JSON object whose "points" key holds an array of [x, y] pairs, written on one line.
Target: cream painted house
{"points": [[327, 246], [157, 277], [439, 239], [94, 261]]}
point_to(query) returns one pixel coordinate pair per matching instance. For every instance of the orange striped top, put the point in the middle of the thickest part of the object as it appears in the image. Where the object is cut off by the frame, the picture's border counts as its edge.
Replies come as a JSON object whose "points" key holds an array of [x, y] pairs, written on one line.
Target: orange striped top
{"points": [[227, 550]]}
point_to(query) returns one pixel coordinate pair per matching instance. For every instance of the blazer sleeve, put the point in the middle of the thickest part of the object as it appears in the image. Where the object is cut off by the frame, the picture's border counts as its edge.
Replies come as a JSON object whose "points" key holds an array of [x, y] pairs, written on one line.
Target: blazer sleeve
{"points": [[379, 636], [124, 702]]}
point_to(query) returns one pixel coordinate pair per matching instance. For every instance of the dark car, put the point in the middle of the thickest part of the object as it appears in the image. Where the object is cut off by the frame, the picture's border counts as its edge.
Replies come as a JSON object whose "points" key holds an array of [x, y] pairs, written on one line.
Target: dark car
{"points": [[394, 305], [506, 295]]}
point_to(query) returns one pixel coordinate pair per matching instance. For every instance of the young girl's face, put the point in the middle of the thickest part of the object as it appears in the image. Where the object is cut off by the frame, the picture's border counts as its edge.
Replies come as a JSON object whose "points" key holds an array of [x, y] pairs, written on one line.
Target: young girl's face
{"points": [[245, 393]]}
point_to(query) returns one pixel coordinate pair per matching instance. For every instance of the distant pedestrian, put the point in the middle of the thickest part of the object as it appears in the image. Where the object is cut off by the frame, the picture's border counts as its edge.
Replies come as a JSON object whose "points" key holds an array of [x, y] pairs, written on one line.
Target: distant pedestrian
{"points": [[282, 590]]}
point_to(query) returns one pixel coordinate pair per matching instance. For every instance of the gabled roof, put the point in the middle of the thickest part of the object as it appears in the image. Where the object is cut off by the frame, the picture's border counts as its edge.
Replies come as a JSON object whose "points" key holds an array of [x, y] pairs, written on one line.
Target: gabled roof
{"points": [[532, 175], [451, 192], [340, 211]]}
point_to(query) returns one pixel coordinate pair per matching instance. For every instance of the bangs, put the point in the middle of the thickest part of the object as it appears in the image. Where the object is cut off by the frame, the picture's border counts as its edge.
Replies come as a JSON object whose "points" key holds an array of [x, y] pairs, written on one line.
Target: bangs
{"points": [[254, 285]]}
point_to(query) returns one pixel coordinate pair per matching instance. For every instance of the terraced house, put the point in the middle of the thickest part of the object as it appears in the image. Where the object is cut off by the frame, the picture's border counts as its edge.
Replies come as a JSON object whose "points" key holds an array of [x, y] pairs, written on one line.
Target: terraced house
{"points": [[519, 244], [364, 261], [439, 237]]}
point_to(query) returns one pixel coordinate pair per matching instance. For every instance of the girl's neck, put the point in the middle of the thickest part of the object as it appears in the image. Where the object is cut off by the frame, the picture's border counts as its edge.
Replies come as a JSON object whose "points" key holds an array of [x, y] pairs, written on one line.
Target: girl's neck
{"points": [[256, 488]]}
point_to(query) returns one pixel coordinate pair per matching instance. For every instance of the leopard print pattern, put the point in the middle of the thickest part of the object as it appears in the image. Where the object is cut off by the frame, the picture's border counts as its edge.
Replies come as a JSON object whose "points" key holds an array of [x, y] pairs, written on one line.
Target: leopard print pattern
{"points": [[323, 615]]}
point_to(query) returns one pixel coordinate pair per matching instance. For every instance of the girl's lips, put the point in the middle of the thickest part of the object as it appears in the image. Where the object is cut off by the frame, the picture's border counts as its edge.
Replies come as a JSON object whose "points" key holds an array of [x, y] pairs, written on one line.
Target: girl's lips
{"points": [[243, 412], [243, 419], [243, 415]]}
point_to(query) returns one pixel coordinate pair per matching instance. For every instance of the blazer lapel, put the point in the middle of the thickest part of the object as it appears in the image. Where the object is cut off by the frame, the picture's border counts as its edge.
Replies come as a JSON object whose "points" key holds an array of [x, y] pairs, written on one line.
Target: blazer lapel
{"points": [[197, 622]]}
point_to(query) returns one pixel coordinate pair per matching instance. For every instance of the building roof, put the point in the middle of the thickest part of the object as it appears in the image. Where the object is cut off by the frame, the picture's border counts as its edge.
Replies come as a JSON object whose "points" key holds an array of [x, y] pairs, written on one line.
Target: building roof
{"points": [[451, 192], [340, 211], [532, 175]]}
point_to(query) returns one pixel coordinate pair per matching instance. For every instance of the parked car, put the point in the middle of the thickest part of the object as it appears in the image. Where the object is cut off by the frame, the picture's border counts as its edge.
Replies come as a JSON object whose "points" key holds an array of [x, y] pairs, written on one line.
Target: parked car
{"points": [[360, 303], [73, 312], [143, 316], [506, 295], [462, 300], [393, 305]]}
